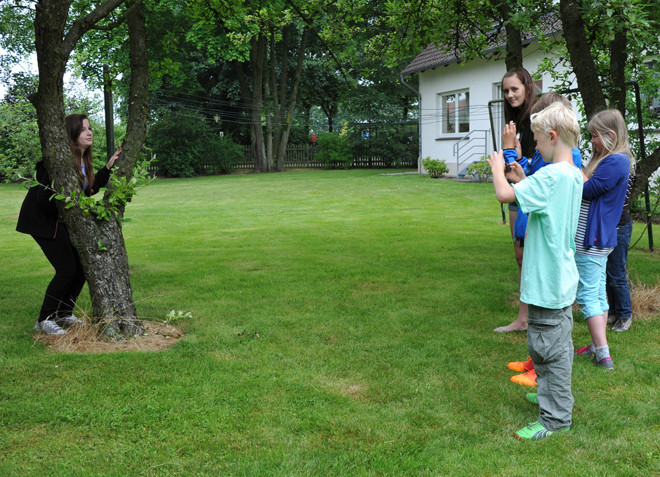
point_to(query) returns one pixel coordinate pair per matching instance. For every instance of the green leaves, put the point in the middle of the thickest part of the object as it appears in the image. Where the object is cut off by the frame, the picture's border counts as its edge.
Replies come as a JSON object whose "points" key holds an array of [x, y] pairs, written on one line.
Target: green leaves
{"points": [[120, 192]]}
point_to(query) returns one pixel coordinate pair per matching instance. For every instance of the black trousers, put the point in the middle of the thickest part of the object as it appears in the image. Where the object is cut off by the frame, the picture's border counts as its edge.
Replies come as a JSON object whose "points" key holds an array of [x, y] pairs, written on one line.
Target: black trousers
{"points": [[64, 288]]}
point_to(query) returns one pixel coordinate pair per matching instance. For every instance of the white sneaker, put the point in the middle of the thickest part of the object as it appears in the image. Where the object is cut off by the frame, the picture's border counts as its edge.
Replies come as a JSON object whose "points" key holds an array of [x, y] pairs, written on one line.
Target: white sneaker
{"points": [[68, 321], [49, 327]]}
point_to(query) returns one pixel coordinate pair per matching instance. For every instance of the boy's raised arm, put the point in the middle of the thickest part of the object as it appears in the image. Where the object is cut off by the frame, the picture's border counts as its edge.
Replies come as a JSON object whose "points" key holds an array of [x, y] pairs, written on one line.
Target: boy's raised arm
{"points": [[503, 191]]}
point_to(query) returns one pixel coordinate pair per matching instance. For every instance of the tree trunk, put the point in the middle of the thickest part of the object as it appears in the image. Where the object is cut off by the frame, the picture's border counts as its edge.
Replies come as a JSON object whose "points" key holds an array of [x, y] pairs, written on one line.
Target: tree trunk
{"points": [[618, 57], [100, 244], [581, 59]]}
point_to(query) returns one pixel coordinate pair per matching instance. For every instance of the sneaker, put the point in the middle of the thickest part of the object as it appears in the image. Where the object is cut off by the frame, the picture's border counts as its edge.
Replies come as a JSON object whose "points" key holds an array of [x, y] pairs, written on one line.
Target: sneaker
{"points": [[532, 398], [68, 321], [521, 366], [605, 363], [584, 352], [611, 319], [622, 325], [525, 379], [49, 327], [536, 431]]}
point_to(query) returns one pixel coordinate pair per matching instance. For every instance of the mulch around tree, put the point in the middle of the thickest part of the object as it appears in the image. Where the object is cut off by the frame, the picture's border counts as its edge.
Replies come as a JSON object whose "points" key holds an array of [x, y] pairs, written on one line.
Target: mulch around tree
{"points": [[86, 339]]}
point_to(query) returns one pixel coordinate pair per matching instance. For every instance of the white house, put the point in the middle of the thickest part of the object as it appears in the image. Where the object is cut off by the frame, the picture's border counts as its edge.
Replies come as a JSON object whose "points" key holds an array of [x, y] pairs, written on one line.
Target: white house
{"points": [[454, 112]]}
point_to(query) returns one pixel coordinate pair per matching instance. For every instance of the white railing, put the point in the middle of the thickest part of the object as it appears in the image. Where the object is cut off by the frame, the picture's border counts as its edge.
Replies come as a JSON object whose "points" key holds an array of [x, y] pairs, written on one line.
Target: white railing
{"points": [[472, 144]]}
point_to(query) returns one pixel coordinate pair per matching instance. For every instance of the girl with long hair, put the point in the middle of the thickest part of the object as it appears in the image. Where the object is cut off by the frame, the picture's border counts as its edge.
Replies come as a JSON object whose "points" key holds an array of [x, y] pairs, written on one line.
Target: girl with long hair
{"points": [[39, 217], [606, 182], [519, 98]]}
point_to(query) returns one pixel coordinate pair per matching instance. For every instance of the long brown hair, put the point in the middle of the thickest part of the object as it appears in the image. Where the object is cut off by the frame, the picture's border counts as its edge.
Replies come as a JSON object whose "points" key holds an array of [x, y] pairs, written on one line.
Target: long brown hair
{"points": [[611, 128], [74, 126], [521, 115]]}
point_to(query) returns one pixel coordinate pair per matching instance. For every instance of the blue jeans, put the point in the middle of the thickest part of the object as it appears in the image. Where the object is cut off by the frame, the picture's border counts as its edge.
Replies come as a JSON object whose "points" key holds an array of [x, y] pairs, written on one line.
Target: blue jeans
{"points": [[591, 294], [618, 291]]}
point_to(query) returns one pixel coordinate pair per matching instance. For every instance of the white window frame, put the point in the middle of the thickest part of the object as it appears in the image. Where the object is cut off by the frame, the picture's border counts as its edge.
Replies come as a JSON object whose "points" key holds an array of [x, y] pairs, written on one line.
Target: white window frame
{"points": [[459, 114]]}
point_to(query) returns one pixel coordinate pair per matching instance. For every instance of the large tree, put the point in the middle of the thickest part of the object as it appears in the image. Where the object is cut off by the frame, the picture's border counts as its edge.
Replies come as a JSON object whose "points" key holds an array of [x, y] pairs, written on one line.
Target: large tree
{"points": [[99, 242], [266, 43], [610, 44]]}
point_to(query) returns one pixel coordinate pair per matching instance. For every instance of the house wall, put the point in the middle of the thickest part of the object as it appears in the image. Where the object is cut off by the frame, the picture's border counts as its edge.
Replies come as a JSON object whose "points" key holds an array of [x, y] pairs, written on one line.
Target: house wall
{"points": [[482, 78]]}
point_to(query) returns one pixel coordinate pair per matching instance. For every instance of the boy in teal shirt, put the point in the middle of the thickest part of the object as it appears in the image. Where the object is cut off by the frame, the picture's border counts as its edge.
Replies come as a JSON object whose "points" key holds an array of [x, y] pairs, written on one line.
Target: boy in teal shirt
{"points": [[549, 278]]}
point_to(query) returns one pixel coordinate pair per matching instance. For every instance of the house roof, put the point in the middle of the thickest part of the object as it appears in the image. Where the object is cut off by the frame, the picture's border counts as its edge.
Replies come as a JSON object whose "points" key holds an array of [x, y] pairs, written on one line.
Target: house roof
{"points": [[436, 55]]}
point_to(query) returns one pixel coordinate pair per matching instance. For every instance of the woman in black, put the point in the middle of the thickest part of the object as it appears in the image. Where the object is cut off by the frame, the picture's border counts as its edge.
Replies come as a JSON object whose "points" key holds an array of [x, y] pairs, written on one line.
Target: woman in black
{"points": [[39, 217], [519, 98]]}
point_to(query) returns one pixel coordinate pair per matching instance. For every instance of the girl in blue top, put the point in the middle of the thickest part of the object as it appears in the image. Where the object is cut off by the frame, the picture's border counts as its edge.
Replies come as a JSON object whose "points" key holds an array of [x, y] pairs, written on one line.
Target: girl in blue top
{"points": [[603, 196]]}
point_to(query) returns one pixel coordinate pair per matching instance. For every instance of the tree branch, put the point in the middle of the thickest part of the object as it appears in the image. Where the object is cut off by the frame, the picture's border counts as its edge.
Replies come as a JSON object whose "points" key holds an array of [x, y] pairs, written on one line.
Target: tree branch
{"points": [[86, 23]]}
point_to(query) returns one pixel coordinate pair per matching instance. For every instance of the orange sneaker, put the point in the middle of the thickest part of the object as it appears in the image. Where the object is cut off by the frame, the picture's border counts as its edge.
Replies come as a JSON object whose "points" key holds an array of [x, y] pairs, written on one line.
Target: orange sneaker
{"points": [[521, 366], [525, 379]]}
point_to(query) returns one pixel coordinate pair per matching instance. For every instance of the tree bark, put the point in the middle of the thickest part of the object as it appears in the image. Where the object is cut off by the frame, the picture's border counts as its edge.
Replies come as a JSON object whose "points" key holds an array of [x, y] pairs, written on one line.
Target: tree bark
{"points": [[618, 57], [581, 59], [100, 244]]}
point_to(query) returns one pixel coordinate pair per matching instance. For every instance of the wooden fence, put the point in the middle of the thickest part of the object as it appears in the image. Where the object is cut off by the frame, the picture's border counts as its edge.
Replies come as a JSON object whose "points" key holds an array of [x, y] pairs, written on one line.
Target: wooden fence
{"points": [[301, 156]]}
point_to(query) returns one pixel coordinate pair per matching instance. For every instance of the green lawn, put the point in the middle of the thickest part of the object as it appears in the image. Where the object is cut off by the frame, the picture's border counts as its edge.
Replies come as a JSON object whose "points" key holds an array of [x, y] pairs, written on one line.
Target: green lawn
{"points": [[374, 297]]}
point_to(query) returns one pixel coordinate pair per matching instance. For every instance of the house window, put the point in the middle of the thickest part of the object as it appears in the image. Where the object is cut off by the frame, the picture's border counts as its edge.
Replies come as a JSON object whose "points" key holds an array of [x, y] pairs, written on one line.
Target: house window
{"points": [[455, 112]]}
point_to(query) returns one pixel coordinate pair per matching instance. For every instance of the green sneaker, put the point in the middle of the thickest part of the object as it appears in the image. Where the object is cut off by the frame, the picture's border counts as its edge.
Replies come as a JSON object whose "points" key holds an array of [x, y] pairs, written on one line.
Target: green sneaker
{"points": [[533, 398], [536, 431]]}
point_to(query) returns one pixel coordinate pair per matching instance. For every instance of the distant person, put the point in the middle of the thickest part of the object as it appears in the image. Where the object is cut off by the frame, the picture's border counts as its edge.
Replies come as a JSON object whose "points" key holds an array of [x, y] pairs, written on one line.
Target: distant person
{"points": [[549, 276], [519, 98], [606, 182], [39, 217]]}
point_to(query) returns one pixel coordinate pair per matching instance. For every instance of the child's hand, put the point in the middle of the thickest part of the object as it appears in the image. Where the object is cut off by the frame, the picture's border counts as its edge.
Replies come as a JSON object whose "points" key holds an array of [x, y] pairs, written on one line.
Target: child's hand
{"points": [[509, 136], [496, 162], [516, 174]]}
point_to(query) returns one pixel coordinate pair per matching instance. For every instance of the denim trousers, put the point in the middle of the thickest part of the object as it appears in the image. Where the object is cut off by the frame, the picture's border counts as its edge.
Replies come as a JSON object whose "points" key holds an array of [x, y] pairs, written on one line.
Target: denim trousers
{"points": [[618, 290], [550, 346], [591, 294]]}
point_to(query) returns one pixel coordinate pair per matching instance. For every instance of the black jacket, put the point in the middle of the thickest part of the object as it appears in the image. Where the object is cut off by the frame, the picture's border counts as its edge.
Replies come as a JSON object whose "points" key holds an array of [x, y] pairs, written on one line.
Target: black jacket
{"points": [[39, 214]]}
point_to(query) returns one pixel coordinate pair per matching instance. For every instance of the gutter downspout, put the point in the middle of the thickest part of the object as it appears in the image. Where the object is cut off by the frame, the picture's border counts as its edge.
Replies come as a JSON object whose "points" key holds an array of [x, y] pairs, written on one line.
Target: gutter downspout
{"points": [[419, 121]]}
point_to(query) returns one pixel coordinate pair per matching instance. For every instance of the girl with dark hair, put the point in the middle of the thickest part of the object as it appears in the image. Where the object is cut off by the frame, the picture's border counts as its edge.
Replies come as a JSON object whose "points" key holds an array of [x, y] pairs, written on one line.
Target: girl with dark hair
{"points": [[519, 98], [39, 217]]}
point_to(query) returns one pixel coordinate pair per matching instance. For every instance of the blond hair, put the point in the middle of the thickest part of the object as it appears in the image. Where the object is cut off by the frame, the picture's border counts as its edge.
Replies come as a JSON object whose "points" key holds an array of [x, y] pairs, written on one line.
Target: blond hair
{"points": [[611, 128], [560, 118]]}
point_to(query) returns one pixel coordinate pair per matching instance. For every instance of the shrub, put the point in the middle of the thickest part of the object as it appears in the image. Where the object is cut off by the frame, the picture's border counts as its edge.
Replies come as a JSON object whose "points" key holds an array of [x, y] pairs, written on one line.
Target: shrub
{"points": [[225, 156], [185, 145], [20, 149], [392, 144], [480, 170], [435, 167], [334, 150]]}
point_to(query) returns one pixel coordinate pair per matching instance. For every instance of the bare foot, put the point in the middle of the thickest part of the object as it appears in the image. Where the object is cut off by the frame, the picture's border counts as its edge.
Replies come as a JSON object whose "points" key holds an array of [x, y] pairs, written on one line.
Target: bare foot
{"points": [[515, 326]]}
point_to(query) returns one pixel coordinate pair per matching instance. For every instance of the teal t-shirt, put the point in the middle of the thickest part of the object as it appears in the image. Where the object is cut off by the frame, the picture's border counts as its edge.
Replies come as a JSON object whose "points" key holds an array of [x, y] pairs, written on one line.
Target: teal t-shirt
{"points": [[552, 198]]}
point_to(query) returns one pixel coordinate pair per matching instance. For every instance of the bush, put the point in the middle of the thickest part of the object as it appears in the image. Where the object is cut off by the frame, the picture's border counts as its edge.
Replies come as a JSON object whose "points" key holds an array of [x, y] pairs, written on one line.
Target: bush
{"points": [[480, 170], [186, 145], [20, 148], [227, 153], [393, 145], [334, 150], [436, 168]]}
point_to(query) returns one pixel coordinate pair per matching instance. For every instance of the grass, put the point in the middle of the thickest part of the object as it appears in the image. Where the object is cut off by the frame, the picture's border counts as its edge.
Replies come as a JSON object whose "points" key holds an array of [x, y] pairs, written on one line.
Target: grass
{"points": [[342, 325]]}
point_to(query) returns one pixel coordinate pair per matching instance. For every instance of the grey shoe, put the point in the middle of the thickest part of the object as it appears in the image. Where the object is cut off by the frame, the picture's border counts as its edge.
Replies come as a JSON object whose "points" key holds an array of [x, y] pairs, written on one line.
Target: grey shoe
{"points": [[68, 321], [612, 319], [49, 327], [622, 325]]}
